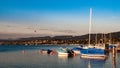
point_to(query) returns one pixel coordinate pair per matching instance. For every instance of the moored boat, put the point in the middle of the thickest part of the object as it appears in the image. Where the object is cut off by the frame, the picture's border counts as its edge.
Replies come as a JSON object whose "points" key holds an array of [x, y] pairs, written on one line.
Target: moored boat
{"points": [[65, 52], [62, 52], [77, 49], [93, 53], [47, 51]]}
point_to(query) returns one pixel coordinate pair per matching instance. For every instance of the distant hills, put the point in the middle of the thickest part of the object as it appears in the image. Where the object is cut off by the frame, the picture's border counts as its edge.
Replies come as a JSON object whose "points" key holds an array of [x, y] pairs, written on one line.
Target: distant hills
{"points": [[113, 35]]}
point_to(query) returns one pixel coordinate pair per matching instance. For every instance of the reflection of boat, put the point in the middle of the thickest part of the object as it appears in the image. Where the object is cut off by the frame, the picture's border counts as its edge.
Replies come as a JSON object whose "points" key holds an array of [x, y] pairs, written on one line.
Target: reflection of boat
{"points": [[62, 59], [94, 53], [96, 62], [23, 51]]}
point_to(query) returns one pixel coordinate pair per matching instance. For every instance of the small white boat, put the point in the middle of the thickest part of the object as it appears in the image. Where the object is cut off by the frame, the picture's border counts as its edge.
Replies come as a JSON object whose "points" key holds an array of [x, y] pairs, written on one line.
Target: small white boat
{"points": [[65, 52], [47, 51], [62, 51], [44, 51], [62, 54]]}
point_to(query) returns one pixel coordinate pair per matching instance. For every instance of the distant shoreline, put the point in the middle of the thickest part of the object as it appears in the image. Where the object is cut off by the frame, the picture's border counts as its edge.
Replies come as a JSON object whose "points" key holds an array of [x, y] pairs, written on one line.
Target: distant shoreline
{"points": [[58, 40]]}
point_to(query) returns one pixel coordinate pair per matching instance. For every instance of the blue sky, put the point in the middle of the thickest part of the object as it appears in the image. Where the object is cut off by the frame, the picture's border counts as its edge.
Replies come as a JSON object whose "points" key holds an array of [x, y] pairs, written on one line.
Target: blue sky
{"points": [[23, 18]]}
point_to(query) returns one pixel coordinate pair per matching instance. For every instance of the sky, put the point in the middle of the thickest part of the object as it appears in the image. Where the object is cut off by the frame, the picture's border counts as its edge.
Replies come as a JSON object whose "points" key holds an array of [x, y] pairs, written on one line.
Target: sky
{"points": [[30, 18]]}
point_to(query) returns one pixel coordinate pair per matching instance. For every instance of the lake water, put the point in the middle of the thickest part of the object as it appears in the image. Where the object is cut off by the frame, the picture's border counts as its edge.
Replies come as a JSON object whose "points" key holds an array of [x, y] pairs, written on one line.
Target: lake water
{"points": [[30, 57]]}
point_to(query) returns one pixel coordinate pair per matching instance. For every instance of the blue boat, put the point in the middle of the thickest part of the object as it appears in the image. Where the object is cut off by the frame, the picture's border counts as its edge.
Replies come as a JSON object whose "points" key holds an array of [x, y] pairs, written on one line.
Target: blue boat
{"points": [[77, 50], [93, 53]]}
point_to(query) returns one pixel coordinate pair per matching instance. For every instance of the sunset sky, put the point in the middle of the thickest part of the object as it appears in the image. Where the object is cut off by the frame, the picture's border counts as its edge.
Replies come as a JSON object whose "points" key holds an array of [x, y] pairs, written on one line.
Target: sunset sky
{"points": [[28, 18]]}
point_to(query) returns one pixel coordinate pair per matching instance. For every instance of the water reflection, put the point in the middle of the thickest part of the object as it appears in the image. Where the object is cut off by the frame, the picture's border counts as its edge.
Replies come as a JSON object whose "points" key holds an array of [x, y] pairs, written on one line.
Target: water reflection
{"points": [[62, 58], [114, 62], [100, 63], [89, 65], [23, 51], [114, 58], [93, 63], [34, 59]]}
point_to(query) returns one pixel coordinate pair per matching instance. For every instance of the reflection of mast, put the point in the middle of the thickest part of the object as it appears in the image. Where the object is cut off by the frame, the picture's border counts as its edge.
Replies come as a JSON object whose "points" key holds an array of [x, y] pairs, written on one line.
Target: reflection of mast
{"points": [[114, 62], [114, 57], [89, 66]]}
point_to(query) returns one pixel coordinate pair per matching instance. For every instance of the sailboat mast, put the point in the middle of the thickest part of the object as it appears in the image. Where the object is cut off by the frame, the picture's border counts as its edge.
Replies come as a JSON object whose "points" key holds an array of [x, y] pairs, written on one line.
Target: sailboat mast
{"points": [[90, 25], [110, 40], [96, 39]]}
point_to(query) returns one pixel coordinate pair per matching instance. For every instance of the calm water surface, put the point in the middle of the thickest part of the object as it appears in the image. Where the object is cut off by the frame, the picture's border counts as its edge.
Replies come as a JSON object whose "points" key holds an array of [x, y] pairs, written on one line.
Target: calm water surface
{"points": [[30, 57]]}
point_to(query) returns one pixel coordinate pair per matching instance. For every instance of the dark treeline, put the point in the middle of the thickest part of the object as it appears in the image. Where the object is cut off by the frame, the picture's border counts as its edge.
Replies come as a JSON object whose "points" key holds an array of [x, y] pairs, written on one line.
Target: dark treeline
{"points": [[83, 39]]}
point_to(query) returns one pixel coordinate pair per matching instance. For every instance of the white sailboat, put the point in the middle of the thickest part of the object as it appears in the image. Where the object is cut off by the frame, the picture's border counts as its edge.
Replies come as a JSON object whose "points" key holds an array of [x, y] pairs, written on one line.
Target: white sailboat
{"points": [[92, 53]]}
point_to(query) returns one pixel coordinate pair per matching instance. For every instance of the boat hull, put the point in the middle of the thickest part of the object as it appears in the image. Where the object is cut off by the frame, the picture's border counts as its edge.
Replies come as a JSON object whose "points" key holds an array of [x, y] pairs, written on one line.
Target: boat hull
{"points": [[92, 56], [65, 52], [93, 53], [76, 51], [62, 54]]}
